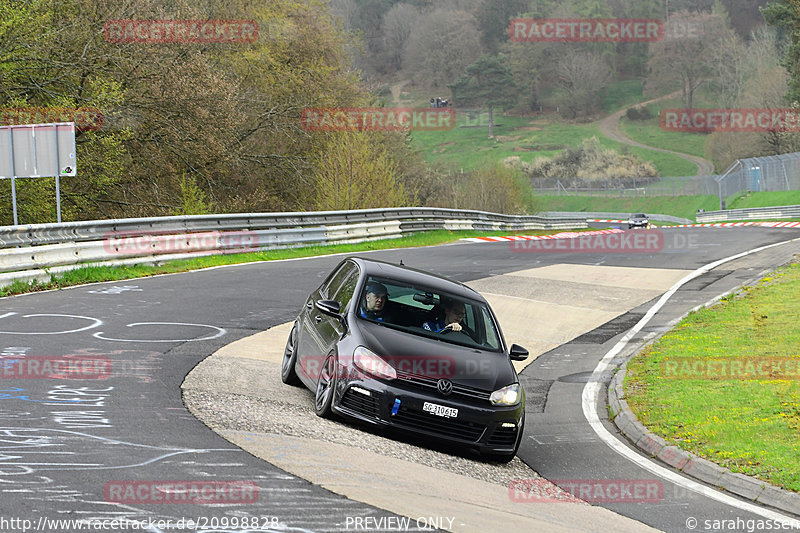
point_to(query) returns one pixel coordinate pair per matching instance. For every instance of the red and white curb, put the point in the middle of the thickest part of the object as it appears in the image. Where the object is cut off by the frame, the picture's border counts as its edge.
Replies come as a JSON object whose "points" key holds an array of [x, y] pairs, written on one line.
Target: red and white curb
{"points": [[738, 225], [563, 235], [574, 234]]}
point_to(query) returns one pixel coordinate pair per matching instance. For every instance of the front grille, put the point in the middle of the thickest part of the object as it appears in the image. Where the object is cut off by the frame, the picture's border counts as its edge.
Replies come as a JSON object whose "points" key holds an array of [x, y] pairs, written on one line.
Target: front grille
{"points": [[503, 437], [361, 403], [448, 427], [429, 385]]}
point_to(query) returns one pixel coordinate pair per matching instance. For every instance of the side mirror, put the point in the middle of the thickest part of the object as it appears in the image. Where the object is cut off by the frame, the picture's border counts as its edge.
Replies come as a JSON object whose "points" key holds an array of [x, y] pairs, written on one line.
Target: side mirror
{"points": [[518, 353], [330, 308]]}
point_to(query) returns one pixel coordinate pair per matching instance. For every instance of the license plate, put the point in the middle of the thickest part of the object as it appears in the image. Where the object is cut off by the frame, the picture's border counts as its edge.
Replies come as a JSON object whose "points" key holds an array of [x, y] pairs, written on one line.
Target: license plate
{"points": [[439, 410]]}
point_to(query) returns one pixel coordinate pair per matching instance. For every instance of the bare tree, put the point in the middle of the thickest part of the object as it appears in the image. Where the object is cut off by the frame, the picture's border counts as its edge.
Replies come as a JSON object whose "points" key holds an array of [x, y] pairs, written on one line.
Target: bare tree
{"points": [[583, 76], [441, 47], [688, 58], [398, 24], [737, 62], [346, 10], [767, 90]]}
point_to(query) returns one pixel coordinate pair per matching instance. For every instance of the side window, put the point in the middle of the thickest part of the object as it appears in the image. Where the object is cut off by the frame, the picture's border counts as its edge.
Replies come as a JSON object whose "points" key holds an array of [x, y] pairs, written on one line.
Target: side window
{"points": [[345, 292], [491, 335], [469, 317], [332, 287]]}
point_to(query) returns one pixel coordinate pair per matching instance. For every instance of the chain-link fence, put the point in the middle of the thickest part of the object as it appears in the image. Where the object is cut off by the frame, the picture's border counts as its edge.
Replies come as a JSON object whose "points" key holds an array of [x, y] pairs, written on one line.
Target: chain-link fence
{"points": [[630, 187], [758, 174], [755, 174]]}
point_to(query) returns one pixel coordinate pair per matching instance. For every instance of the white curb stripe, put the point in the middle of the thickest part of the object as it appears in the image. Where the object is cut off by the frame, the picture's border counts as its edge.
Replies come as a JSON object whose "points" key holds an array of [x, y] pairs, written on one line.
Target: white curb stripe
{"points": [[593, 388]]}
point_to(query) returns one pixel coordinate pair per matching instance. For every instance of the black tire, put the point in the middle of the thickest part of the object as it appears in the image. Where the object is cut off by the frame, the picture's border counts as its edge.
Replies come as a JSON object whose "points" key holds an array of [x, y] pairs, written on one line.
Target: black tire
{"points": [[326, 385], [288, 373]]}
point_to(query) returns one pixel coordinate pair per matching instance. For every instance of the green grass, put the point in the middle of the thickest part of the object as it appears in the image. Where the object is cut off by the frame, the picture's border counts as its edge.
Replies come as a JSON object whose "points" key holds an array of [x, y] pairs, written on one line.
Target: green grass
{"points": [[678, 206], [649, 132], [622, 94], [466, 148], [748, 426], [667, 164], [765, 199], [94, 274]]}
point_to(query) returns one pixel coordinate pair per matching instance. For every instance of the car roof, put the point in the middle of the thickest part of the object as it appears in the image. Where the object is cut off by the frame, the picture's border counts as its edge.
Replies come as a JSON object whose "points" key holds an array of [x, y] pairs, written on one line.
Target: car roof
{"points": [[408, 274]]}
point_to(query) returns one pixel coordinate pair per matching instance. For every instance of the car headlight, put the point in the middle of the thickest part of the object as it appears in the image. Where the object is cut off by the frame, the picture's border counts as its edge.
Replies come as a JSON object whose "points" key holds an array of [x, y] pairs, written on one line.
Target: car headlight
{"points": [[372, 364], [506, 396]]}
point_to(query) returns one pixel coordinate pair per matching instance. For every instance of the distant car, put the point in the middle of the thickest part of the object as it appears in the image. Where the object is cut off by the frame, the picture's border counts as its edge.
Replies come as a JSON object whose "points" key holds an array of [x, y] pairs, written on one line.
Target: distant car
{"points": [[638, 220], [392, 369]]}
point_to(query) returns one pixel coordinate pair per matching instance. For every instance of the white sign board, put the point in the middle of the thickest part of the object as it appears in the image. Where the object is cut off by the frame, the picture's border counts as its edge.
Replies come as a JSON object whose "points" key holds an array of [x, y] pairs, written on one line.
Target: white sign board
{"points": [[38, 150]]}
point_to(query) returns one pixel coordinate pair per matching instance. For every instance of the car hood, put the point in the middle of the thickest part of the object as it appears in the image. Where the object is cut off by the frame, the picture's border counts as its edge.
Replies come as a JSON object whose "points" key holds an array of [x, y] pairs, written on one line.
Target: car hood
{"points": [[434, 359]]}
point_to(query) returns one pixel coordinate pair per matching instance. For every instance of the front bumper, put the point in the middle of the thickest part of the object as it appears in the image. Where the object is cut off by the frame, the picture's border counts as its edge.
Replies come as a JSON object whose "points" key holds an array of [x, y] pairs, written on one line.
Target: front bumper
{"points": [[488, 428]]}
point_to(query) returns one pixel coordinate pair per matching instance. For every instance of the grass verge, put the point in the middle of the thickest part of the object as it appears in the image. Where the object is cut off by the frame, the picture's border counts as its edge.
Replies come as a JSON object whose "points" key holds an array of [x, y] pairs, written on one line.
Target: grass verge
{"points": [[749, 426], [650, 133], [94, 274], [467, 146], [765, 199], [678, 206], [622, 94]]}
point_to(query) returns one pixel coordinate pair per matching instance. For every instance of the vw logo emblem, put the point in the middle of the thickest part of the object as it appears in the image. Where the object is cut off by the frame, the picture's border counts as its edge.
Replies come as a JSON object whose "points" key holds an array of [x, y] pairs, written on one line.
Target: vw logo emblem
{"points": [[445, 387]]}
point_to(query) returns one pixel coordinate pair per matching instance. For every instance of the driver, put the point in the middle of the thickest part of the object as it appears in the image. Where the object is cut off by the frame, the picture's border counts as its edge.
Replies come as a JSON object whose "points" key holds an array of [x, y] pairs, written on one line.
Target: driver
{"points": [[374, 304], [454, 312]]}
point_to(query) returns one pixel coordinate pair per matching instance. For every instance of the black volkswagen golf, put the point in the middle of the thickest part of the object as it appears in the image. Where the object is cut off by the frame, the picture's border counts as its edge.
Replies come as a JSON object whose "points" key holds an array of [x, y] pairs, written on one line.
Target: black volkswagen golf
{"points": [[401, 348]]}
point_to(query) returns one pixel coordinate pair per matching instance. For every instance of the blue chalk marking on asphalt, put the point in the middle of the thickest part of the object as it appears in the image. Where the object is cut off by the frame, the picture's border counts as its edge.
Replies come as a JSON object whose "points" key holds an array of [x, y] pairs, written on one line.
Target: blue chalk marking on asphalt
{"points": [[4, 396]]}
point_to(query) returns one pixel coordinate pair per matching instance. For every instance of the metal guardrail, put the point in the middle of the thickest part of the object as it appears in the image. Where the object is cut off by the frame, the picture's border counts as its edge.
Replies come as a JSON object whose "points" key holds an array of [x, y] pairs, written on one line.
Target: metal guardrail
{"points": [[617, 216], [754, 213], [39, 250], [416, 216]]}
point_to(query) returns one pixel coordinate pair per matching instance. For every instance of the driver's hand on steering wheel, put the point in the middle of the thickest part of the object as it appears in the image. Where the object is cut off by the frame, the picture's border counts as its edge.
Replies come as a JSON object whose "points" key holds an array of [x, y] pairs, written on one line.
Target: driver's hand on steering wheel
{"points": [[455, 326]]}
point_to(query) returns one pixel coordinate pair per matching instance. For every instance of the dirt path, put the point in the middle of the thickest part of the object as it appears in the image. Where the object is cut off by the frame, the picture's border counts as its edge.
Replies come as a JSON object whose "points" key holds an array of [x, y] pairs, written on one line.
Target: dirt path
{"points": [[609, 127], [396, 90]]}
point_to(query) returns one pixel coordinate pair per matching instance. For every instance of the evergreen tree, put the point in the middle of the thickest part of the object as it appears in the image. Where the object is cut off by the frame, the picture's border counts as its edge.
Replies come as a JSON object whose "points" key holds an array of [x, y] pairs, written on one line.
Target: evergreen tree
{"points": [[785, 14], [487, 82]]}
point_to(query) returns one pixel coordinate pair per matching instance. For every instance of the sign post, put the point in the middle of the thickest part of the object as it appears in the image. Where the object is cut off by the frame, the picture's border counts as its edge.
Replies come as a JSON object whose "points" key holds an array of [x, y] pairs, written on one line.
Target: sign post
{"points": [[37, 151]]}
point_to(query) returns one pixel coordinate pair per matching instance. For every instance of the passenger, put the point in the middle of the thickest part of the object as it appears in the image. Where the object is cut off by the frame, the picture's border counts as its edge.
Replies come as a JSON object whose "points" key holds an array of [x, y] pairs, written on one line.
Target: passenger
{"points": [[374, 305], [454, 313]]}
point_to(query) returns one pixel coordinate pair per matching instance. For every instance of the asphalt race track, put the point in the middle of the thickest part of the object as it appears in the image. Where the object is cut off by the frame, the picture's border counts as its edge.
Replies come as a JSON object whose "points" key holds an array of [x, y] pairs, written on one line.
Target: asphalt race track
{"points": [[71, 449]]}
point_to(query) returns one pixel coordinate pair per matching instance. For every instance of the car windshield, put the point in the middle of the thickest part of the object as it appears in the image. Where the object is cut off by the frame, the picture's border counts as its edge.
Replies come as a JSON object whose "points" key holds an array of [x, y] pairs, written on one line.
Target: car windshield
{"points": [[429, 312]]}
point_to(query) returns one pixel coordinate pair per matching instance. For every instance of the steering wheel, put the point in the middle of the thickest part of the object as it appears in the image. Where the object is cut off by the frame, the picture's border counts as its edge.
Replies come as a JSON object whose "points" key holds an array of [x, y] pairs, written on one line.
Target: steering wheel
{"points": [[448, 329]]}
